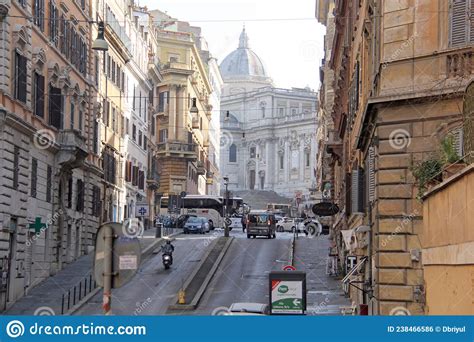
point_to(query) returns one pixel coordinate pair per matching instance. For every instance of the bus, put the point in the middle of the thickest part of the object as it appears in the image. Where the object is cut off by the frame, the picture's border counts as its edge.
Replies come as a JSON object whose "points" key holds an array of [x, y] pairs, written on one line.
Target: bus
{"points": [[210, 207], [282, 209]]}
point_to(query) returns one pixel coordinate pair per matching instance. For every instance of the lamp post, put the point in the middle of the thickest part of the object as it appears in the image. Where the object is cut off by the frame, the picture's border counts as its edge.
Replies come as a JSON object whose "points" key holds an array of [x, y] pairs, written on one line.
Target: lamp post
{"points": [[100, 44], [226, 225]]}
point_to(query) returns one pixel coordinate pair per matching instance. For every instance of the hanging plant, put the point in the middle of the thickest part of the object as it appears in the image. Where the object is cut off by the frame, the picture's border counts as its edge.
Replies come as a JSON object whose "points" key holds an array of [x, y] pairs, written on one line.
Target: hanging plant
{"points": [[427, 173]]}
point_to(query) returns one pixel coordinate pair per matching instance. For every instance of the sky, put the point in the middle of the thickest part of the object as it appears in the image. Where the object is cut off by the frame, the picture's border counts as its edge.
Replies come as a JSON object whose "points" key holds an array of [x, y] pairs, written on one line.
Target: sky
{"points": [[291, 49]]}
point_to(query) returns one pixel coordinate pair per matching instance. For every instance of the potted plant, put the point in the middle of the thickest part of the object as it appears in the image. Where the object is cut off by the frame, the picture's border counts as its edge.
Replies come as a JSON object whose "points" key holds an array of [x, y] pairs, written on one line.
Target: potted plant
{"points": [[427, 174], [453, 163]]}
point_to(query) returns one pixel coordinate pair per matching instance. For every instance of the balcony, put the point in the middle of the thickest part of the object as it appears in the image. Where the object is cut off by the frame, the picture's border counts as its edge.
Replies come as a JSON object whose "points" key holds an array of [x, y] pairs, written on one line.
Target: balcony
{"points": [[72, 151], [153, 180], [200, 168], [177, 149], [161, 110]]}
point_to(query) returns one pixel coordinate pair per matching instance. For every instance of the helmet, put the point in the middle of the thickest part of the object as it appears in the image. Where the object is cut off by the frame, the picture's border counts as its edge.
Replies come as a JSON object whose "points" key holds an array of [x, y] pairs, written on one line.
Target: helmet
{"points": [[168, 242]]}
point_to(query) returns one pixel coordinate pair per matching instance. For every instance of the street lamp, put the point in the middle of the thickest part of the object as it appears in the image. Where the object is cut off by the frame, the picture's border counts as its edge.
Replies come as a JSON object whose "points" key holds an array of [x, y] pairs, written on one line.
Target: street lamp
{"points": [[226, 225], [100, 44]]}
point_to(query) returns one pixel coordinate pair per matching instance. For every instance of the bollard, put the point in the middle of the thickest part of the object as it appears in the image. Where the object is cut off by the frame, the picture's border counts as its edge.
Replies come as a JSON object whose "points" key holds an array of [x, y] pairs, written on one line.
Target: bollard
{"points": [[159, 228], [181, 297]]}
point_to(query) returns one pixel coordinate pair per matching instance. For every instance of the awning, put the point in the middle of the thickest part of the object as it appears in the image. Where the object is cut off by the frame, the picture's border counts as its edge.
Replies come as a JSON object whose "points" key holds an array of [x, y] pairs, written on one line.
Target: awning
{"points": [[349, 238]]}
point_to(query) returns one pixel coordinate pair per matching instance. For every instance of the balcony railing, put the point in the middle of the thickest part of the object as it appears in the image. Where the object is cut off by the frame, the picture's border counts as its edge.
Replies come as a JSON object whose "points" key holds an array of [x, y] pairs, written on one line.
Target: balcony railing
{"points": [[177, 148]]}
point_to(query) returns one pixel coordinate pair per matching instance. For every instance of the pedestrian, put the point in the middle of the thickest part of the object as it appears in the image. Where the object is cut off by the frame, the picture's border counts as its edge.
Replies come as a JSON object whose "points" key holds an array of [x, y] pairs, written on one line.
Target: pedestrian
{"points": [[244, 223]]}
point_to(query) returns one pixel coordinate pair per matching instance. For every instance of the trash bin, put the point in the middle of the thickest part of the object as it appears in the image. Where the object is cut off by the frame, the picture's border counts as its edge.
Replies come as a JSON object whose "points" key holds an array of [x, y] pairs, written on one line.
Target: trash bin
{"points": [[159, 229]]}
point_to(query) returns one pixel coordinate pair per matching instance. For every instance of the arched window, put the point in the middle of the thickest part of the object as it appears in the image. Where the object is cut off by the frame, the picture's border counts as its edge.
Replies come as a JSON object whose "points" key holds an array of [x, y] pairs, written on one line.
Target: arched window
{"points": [[232, 153]]}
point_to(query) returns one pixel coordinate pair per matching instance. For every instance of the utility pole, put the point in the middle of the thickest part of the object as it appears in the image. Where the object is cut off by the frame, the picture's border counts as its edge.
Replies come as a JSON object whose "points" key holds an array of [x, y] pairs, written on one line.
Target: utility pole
{"points": [[226, 225]]}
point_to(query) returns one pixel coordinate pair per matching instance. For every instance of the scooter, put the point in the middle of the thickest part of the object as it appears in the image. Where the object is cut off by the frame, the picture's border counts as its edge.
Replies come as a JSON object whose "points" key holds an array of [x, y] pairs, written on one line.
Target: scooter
{"points": [[167, 261]]}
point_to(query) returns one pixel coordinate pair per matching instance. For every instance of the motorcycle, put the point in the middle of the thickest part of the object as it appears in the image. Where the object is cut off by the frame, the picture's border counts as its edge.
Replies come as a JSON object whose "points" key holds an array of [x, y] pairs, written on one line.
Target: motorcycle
{"points": [[167, 261]]}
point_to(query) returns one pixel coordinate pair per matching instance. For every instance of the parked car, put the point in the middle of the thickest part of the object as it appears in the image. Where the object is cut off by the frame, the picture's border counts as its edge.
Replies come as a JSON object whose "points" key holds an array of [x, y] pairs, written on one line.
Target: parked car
{"points": [[196, 224], [181, 221], [261, 223], [286, 224], [246, 309]]}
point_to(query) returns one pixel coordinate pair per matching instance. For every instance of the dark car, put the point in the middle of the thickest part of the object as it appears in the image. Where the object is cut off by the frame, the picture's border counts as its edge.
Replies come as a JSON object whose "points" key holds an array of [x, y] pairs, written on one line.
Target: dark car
{"points": [[196, 224], [261, 223]]}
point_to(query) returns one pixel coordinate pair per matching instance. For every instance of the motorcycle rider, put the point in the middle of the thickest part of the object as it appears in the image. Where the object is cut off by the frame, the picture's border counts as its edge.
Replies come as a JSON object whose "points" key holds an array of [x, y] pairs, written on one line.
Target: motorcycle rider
{"points": [[168, 249]]}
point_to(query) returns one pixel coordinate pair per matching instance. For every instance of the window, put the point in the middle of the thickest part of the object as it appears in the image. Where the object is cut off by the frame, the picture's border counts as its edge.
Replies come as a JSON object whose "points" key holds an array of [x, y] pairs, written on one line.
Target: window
{"points": [[153, 125], [127, 125], [134, 132], [252, 152], [114, 120], [69, 193], [308, 159], [16, 166], [281, 111], [80, 195], [73, 113], [139, 137], [109, 166], [20, 77], [141, 180], [55, 107], [282, 161], [145, 142], [263, 111], [49, 183], [81, 118], [54, 24], [38, 93], [461, 28], [96, 70], [233, 153], [163, 135], [163, 99], [293, 111], [357, 191], [34, 177], [38, 10], [95, 201], [95, 146]]}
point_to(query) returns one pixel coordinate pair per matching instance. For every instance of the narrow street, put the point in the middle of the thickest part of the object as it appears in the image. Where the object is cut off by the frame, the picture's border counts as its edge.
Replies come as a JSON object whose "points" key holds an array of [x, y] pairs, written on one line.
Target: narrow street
{"points": [[241, 277], [154, 288]]}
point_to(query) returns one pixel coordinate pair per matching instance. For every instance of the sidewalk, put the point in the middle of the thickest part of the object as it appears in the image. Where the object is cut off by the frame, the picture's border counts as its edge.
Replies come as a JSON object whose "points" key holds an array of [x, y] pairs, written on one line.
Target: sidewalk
{"points": [[49, 293], [324, 293]]}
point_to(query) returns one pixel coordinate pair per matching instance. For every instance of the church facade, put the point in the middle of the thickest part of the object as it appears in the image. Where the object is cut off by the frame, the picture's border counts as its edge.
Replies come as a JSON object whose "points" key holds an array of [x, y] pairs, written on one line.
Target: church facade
{"points": [[267, 133]]}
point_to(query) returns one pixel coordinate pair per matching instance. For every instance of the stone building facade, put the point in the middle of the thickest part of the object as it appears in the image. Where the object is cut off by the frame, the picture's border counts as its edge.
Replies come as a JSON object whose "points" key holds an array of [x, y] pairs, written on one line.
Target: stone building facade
{"points": [[47, 179], [400, 70], [268, 133]]}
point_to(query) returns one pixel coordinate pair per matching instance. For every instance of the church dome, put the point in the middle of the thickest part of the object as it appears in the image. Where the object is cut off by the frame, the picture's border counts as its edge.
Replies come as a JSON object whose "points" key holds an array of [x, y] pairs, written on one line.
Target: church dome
{"points": [[243, 62]]}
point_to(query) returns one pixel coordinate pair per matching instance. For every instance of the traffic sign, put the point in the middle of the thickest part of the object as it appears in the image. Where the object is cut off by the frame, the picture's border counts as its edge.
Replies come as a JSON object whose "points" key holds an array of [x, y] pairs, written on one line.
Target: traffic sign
{"points": [[126, 253], [183, 194], [228, 221], [142, 210], [287, 293], [351, 262], [289, 268]]}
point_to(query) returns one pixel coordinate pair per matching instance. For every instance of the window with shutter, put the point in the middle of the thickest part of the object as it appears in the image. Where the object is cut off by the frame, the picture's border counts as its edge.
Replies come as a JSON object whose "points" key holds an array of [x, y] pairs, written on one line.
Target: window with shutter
{"points": [[460, 22], [55, 107], [38, 92], [357, 191], [348, 194], [458, 135], [38, 9], [34, 177], [20, 77], [371, 174]]}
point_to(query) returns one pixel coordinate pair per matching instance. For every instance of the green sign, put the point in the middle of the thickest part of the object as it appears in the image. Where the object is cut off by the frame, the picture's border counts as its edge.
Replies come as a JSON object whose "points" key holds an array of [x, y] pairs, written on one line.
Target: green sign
{"points": [[288, 293], [37, 225]]}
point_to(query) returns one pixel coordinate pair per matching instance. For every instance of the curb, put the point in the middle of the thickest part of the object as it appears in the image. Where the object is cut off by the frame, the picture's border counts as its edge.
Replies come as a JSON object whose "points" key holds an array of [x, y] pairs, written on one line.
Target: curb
{"points": [[148, 251], [195, 301]]}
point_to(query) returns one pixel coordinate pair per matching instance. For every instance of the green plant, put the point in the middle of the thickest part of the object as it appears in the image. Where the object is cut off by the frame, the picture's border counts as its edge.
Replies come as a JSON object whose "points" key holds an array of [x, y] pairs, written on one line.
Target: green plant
{"points": [[450, 155], [425, 172]]}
